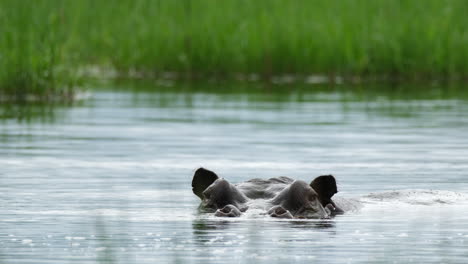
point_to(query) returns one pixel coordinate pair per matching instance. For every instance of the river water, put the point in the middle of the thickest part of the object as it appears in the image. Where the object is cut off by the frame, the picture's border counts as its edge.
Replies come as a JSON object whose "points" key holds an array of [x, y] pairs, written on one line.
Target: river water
{"points": [[107, 179]]}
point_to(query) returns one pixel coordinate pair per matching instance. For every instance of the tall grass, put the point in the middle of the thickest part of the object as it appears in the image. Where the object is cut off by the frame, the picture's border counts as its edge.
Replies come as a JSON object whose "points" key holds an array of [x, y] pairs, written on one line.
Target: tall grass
{"points": [[31, 59], [392, 38], [355, 37]]}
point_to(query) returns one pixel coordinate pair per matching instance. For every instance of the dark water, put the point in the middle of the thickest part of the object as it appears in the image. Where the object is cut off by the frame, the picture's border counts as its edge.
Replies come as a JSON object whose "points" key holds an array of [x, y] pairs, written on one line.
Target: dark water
{"points": [[107, 180]]}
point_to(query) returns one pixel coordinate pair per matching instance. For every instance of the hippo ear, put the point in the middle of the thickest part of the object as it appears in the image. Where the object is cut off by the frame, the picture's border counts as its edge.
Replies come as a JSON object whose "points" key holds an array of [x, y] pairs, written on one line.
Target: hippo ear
{"points": [[325, 186], [201, 180]]}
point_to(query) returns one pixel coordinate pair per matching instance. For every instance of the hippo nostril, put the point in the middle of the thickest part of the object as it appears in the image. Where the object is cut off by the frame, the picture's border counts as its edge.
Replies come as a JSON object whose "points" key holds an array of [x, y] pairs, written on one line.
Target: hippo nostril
{"points": [[280, 210], [226, 209], [326, 216]]}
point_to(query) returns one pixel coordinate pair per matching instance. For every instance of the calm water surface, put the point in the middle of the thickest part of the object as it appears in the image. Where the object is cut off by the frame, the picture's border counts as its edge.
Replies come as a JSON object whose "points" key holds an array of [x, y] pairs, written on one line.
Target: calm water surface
{"points": [[108, 180]]}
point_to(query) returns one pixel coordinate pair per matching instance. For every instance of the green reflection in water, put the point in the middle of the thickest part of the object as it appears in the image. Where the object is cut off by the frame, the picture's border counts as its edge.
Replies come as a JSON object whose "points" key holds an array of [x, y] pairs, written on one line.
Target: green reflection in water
{"points": [[391, 100], [377, 100], [33, 112], [27, 113], [105, 243], [296, 92]]}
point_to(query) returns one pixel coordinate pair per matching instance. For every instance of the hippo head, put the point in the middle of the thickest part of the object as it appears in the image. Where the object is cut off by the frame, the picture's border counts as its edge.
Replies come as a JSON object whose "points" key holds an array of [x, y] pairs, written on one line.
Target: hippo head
{"points": [[300, 201], [225, 198]]}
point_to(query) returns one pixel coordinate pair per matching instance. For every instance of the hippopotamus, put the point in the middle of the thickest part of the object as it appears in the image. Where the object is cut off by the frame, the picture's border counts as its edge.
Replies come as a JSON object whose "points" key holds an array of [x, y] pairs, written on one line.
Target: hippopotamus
{"points": [[280, 197]]}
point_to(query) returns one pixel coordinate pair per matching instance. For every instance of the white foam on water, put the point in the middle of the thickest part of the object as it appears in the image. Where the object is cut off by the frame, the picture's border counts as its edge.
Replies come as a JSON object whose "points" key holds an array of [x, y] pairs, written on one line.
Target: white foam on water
{"points": [[412, 204], [26, 241], [417, 197]]}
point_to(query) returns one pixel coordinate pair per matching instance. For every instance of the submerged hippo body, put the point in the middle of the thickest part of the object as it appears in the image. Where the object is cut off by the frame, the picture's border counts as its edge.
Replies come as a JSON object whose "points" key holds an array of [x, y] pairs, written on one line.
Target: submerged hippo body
{"points": [[282, 197]]}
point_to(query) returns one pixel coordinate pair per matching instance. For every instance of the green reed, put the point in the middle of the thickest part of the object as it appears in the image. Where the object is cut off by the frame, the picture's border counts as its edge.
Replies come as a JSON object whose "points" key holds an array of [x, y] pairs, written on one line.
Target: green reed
{"points": [[349, 37], [31, 52], [42, 48]]}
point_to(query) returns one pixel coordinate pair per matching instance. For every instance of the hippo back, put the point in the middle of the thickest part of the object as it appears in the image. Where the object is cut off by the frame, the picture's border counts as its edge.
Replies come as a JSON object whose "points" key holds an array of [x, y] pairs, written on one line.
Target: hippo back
{"points": [[264, 189]]}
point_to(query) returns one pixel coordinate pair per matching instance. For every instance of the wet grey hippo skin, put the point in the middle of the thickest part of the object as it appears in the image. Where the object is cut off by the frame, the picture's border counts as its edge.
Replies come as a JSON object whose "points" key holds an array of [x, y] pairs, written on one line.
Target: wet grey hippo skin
{"points": [[283, 196]]}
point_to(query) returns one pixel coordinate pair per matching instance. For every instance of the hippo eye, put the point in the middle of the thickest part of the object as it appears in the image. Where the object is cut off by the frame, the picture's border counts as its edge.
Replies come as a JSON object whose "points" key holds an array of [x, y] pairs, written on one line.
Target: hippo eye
{"points": [[207, 194], [312, 197]]}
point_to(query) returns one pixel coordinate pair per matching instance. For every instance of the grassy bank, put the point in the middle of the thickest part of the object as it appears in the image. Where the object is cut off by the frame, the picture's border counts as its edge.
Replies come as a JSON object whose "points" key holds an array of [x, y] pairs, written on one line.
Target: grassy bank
{"points": [[270, 37], [44, 42], [32, 66]]}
